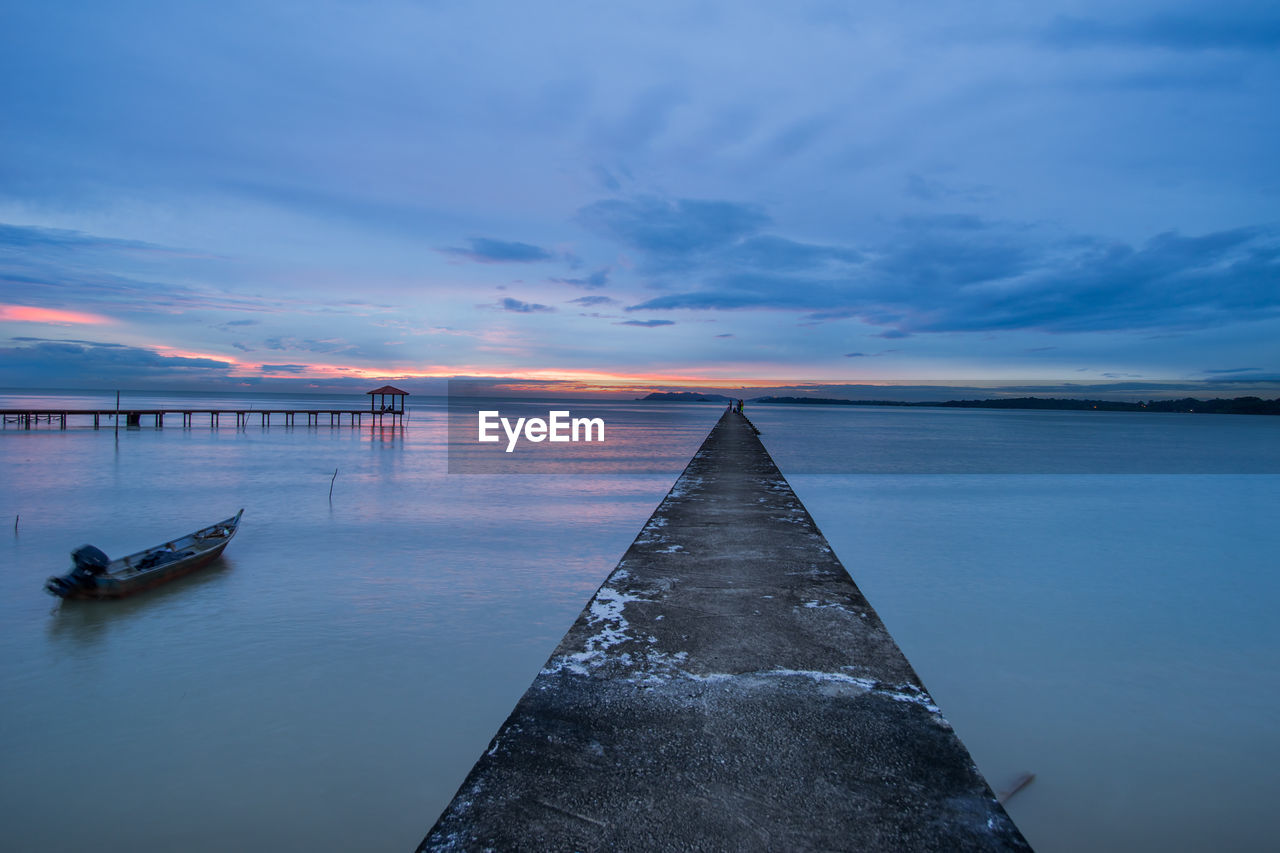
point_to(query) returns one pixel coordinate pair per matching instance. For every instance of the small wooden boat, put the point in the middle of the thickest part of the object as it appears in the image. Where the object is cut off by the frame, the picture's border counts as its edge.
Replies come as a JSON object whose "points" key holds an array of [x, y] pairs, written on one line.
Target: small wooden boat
{"points": [[95, 575]]}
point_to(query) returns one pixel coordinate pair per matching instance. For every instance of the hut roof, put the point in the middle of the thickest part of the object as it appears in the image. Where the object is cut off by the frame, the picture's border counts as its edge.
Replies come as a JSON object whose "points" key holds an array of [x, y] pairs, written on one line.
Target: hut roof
{"points": [[388, 389]]}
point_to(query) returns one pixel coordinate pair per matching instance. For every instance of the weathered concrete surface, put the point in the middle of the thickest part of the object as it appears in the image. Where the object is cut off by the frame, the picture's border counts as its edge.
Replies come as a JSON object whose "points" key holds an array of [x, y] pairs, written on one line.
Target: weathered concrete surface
{"points": [[727, 688]]}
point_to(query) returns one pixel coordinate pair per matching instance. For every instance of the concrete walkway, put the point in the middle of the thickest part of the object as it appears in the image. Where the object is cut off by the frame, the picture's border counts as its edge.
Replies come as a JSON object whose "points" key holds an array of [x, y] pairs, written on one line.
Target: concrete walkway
{"points": [[727, 688]]}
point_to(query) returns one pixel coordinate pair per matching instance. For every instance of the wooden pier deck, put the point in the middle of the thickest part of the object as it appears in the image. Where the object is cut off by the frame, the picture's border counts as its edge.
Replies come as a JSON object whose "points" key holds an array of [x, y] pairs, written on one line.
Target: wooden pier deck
{"points": [[134, 417]]}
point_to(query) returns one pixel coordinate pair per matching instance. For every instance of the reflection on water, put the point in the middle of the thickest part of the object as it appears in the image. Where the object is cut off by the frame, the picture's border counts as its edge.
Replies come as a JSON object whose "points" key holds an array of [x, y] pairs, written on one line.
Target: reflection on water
{"points": [[81, 623], [330, 681], [1115, 635], [387, 433]]}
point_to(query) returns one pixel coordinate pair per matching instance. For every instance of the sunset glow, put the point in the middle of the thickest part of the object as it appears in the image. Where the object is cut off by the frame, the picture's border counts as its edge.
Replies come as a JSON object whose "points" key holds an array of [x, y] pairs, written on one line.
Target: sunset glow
{"points": [[49, 316]]}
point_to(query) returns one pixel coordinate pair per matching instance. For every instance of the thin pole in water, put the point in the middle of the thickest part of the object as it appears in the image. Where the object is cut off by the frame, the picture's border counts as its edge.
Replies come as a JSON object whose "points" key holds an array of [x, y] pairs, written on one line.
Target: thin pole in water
{"points": [[1018, 784], [117, 414], [331, 479]]}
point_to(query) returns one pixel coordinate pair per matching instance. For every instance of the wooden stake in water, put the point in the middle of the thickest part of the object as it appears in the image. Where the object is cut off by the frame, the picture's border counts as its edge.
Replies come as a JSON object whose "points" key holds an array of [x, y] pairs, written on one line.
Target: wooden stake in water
{"points": [[331, 479], [1018, 784], [117, 414]]}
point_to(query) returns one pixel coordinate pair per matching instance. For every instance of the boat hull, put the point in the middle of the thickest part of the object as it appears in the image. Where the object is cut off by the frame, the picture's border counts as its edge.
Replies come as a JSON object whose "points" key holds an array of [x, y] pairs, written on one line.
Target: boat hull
{"points": [[112, 588], [148, 569]]}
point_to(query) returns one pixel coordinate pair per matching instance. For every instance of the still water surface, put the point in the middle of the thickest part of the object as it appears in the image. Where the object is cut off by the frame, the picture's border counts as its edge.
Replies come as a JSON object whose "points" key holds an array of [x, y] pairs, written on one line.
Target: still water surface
{"points": [[329, 683]]}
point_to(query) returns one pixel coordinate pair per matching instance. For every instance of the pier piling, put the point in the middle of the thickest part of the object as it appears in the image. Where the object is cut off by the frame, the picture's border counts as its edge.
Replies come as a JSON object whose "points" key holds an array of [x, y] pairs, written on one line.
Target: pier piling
{"points": [[29, 418]]}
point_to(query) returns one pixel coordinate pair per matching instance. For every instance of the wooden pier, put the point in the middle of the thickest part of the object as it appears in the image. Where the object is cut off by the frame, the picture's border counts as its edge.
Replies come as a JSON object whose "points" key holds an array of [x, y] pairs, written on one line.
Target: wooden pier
{"points": [[135, 418], [387, 402]]}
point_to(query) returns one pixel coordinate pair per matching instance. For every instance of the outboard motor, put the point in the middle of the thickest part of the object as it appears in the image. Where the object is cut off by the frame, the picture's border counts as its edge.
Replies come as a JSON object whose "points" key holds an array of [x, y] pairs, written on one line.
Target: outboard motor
{"points": [[89, 562]]}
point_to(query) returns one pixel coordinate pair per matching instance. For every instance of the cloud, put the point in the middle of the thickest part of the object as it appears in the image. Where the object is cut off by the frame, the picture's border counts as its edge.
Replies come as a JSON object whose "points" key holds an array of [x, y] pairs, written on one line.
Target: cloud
{"points": [[935, 277], [593, 300], [488, 251], [687, 236], [606, 178], [26, 339], [856, 355], [29, 237], [928, 189], [1219, 31], [646, 116], [285, 368], [84, 364], [518, 307], [307, 344], [1234, 370], [599, 278], [57, 268], [49, 316], [648, 324], [672, 229], [778, 253], [944, 221], [725, 335], [800, 135]]}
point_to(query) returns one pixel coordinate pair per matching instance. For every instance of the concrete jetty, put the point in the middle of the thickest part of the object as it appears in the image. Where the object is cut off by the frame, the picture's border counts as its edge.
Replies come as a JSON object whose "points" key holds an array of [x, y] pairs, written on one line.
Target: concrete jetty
{"points": [[728, 687]]}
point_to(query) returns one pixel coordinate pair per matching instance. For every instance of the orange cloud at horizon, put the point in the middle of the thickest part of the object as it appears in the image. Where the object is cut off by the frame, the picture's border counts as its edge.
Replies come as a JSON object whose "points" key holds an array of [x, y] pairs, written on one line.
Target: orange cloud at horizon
{"points": [[723, 377], [51, 316], [567, 380]]}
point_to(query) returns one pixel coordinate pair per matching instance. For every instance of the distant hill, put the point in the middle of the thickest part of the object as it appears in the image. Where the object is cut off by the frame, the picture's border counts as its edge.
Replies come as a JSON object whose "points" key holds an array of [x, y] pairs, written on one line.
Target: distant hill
{"points": [[685, 397], [1235, 406], [831, 401]]}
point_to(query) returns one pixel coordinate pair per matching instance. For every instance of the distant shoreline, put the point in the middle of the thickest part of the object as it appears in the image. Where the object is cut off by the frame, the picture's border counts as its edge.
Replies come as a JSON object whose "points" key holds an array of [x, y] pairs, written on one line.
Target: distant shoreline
{"points": [[1218, 406]]}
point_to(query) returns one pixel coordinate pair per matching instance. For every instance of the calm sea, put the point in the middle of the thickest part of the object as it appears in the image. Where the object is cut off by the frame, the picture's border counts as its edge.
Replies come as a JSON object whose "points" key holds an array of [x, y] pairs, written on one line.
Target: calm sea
{"points": [[328, 684]]}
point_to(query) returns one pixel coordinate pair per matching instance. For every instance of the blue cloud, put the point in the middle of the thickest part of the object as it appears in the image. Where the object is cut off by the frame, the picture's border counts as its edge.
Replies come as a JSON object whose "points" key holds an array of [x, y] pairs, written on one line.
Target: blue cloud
{"points": [[87, 363], [647, 115], [606, 179], [1221, 30], [594, 300], [29, 339], [24, 237], [518, 307], [684, 236], [648, 324], [799, 135], [59, 268], [940, 279], [673, 229], [778, 253], [597, 279], [488, 251], [944, 221], [307, 344]]}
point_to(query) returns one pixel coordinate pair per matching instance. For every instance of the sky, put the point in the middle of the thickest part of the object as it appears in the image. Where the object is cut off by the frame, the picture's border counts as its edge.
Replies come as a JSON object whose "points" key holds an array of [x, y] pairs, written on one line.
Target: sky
{"points": [[328, 194]]}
